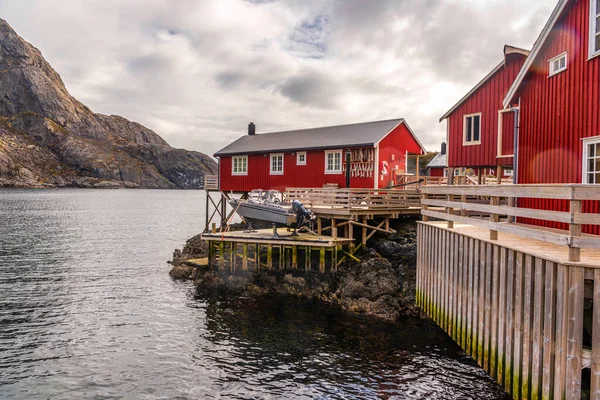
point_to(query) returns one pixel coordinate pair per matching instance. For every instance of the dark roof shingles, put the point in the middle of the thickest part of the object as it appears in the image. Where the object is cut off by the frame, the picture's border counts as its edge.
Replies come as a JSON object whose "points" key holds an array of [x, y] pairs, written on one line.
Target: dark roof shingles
{"points": [[362, 134]]}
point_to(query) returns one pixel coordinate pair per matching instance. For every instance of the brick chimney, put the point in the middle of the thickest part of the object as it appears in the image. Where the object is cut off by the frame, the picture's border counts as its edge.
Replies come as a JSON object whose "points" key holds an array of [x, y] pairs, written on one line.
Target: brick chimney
{"points": [[251, 128]]}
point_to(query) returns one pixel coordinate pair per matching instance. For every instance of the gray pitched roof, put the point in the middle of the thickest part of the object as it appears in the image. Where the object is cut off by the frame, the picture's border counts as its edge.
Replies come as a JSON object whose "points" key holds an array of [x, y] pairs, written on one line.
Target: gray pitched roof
{"points": [[330, 137], [439, 161]]}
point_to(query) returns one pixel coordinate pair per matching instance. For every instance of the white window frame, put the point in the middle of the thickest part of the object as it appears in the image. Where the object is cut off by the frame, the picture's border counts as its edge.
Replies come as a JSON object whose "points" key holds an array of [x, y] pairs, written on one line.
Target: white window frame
{"points": [[298, 154], [237, 159], [594, 13], [472, 142], [333, 171], [551, 70], [584, 158], [271, 157]]}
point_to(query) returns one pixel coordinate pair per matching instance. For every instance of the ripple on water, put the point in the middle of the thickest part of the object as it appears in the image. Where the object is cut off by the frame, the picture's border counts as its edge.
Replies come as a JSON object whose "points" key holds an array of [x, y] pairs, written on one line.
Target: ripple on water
{"points": [[87, 310]]}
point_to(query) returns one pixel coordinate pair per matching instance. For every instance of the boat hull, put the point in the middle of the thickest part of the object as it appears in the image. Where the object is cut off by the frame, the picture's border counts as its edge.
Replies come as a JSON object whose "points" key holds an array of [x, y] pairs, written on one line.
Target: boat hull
{"points": [[265, 212]]}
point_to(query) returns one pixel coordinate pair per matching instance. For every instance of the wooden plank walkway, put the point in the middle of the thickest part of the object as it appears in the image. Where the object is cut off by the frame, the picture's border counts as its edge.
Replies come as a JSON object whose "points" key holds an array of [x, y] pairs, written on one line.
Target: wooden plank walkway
{"points": [[265, 236]]}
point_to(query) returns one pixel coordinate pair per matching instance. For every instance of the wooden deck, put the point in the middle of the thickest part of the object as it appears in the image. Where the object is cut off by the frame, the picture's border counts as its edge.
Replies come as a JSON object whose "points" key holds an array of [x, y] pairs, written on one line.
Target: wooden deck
{"points": [[522, 300], [265, 236], [355, 203], [590, 258]]}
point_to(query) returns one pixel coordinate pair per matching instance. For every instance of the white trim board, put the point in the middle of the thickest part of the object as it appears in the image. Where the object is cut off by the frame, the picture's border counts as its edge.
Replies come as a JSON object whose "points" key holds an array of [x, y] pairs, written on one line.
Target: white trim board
{"points": [[535, 52]]}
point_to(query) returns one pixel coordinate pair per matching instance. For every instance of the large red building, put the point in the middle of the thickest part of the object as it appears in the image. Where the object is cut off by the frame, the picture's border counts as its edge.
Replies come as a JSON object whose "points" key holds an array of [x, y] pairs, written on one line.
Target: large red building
{"points": [[558, 90], [480, 132], [315, 157]]}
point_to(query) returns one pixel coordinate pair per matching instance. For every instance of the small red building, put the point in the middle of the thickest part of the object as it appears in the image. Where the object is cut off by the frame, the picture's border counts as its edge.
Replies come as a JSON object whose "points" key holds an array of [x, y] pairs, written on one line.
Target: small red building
{"points": [[558, 90], [437, 166], [315, 157], [480, 132]]}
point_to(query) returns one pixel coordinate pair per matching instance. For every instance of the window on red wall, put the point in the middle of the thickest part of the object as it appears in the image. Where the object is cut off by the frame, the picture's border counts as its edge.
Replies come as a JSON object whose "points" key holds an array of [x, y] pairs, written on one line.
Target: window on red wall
{"points": [[239, 165], [277, 164], [591, 160], [472, 129]]}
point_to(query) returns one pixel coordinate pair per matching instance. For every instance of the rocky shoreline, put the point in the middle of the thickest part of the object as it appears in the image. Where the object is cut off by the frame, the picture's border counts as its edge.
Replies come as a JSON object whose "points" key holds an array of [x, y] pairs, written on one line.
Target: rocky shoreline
{"points": [[382, 284]]}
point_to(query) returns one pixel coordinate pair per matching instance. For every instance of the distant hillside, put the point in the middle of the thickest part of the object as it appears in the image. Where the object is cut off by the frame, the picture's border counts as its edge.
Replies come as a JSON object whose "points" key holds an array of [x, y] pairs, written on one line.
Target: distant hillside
{"points": [[49, 138]]}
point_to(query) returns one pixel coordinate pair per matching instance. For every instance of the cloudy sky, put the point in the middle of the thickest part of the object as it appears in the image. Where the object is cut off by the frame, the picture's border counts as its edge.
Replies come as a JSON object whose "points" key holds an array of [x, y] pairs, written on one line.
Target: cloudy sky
{"points": [[197, 71]]}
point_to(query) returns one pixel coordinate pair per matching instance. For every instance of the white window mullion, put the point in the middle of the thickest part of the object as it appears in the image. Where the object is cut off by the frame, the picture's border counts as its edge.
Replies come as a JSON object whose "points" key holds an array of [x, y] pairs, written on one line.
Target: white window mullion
{"points": [[594, 28]]}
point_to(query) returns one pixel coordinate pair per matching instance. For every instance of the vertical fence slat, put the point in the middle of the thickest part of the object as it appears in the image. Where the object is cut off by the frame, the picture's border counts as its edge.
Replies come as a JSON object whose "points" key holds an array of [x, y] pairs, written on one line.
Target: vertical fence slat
{"points": [[459, 289], [494, 312], [536, 331], [562, 292], [518, 321], [488, 306], [470, 344], [481, 304], [575, 332], [501, 332], [595, 376], [527, 323], [549, 330], [510, 328], [475, 302]]}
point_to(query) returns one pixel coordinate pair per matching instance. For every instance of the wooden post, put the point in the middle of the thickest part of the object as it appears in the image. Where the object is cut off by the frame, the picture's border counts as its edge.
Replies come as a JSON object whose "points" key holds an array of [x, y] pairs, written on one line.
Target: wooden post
{"points": [[479, 176], [245, 257], [499, 174], [494, 217], [450, 179], [511, 203], [351, 235], [281, 257], [214, 228], [307, 258], [387, 224], [221, 255], [463, 199], [322, 259], [270, 256], [211, 253], [257, 257], [232, 258], [574, 231], [333, 229], [450, 211], [319, 226], [424, 207], [294, 257], [364, 232]]}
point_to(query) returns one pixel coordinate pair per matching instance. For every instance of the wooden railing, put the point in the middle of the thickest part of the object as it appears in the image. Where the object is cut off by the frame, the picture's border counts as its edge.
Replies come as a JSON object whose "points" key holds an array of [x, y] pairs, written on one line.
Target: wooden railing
{"points": [[358, 199], [211, 182], [500, 212]]}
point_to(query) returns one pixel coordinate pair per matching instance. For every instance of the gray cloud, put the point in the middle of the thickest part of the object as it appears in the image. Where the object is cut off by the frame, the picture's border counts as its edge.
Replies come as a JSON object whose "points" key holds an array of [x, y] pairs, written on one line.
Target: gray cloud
{"points": [[197, 73]]}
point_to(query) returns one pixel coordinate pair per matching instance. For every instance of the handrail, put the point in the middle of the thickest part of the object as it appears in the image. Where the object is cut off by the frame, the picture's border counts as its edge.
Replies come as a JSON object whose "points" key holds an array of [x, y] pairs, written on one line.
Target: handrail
{"points": [[459, 202], [211, 182], [373, 199]]}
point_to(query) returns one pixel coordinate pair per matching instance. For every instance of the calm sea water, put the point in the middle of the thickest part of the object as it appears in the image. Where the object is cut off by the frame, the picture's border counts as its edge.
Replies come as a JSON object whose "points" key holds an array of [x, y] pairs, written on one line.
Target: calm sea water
{"points": [[87, 310]]}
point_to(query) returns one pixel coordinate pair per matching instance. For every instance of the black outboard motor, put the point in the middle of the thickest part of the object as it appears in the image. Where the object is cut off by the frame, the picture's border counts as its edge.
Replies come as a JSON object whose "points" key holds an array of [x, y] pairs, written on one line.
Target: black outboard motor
{"points": [[303, 216]]}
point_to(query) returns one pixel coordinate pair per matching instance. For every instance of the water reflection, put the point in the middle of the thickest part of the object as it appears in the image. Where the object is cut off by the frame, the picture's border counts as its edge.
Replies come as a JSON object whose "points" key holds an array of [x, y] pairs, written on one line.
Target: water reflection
{"points": [[282, 346], [87, 310]]}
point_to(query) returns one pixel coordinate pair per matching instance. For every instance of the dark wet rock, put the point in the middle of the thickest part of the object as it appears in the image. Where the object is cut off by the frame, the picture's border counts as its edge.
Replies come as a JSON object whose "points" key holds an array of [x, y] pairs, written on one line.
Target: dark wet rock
{"points": [[50, 139], [183, 272], [382, 284]]}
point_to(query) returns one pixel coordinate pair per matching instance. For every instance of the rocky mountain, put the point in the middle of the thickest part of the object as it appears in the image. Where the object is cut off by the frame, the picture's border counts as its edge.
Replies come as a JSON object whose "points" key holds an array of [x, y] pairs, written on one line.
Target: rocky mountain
{"points": [[49, 138]]}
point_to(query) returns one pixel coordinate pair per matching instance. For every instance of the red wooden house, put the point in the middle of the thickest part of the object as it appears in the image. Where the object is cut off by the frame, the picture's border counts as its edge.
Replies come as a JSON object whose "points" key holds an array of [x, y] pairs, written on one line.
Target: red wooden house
{"points": [[480, 132], [558, 90], [437, 166], [315, 157]]}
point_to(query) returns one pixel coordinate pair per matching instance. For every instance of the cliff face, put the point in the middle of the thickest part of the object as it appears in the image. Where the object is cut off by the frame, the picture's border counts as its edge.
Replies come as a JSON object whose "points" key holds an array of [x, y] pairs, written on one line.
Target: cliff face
{"points": [[49, 138]]}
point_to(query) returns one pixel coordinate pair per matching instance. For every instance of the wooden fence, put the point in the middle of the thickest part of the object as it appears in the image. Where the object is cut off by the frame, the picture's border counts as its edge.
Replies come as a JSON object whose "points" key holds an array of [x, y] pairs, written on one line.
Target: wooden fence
{"points": [[520, 316], [211, 182], [356, 199], [454, 204]]}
